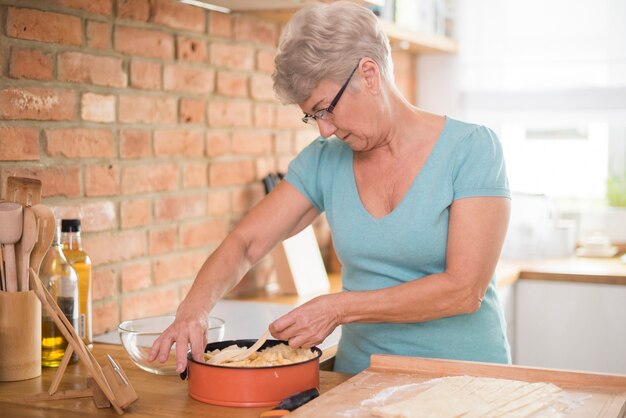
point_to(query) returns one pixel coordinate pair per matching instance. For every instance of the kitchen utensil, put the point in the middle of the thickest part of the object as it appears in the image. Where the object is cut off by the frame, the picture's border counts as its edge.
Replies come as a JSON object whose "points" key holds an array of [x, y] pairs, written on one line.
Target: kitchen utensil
{"points": [[45, 233], [20, 336], [249, 386], [10, 233], [24, 247], [290, 403], [138, 335], [3, 285], [102, 375], [236, 355], [24, 190]]}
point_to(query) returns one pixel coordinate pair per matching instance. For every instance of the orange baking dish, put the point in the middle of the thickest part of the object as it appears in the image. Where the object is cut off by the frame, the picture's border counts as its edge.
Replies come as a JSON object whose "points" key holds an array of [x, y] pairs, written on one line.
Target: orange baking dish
{"points": [[249, 386]]}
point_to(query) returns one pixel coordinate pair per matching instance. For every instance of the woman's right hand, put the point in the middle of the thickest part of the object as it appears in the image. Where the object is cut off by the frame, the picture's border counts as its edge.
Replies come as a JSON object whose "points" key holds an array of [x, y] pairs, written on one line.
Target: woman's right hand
{"points": [[188, 329]]}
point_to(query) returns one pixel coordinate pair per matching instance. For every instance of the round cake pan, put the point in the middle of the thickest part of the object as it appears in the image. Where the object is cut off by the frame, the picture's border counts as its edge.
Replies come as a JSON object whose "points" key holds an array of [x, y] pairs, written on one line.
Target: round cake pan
{"points": [[250, 386]]}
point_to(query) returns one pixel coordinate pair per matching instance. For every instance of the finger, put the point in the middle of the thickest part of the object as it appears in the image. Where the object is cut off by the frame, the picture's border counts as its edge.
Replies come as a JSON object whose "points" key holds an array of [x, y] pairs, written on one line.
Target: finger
{"points": [[197, 340], [281, 324], [154, 350], [165, 344], [182, 343]]}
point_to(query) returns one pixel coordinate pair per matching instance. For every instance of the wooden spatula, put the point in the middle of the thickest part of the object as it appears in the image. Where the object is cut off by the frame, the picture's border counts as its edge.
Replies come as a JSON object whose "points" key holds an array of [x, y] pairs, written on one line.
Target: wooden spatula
{"points": [[24, 190], [236, 354]]}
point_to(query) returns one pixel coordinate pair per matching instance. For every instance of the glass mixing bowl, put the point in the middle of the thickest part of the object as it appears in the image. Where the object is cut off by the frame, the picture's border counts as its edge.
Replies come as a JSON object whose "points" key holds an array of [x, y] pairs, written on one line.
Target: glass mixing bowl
{"points": [[137, 336]]}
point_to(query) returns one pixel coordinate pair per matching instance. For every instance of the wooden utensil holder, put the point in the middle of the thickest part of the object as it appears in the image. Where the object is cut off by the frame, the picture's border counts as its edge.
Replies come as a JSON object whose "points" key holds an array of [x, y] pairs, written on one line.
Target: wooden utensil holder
{"points": [[20, 336]]}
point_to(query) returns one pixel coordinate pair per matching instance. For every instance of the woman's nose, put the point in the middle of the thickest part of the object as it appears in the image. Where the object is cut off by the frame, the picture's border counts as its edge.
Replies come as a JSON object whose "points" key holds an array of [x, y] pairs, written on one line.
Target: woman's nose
{"points": [[326, 128]]}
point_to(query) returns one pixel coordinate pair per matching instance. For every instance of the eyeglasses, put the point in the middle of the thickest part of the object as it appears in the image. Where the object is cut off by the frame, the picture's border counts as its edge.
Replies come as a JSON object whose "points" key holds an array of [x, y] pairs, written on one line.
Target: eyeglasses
{"points": [[327, 113]]}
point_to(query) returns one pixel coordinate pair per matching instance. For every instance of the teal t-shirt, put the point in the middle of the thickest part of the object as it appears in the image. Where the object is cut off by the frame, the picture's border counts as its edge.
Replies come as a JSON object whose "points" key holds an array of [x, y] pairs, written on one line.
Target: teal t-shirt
{"points": [[408, 243]]}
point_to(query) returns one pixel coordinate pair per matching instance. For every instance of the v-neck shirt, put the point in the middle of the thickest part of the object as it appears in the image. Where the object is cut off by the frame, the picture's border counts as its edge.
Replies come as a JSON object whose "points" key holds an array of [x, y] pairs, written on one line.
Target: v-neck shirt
{"points": [[408, 243]]}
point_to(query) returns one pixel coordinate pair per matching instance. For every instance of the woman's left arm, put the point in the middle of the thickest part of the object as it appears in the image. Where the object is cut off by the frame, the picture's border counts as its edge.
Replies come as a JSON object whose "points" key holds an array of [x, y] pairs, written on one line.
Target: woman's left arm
{"points": [[477, 228]]}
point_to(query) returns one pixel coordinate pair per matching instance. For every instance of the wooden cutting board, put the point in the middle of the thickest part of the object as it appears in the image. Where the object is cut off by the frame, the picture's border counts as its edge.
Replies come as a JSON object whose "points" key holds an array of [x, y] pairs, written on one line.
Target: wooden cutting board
{"points": [[596, 395]]}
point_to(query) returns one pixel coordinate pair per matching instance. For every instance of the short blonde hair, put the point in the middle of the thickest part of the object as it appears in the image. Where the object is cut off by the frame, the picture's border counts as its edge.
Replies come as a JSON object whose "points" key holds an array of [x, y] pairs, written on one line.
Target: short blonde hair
{"points": [[325, 42]]}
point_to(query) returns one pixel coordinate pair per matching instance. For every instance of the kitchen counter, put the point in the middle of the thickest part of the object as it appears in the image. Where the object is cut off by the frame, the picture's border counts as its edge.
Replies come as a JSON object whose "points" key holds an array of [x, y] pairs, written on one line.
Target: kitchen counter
{"points": [[159, 396]]}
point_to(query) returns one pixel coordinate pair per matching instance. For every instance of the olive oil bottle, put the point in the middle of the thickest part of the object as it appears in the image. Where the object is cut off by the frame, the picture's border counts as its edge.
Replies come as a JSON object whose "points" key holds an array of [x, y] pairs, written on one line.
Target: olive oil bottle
{"points": [[61, 281], [80, 261]]}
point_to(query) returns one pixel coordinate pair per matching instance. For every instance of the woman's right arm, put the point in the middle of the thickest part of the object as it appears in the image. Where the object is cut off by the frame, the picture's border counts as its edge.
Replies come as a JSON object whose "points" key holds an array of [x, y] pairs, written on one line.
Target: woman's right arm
{"points": [[281, 214]]}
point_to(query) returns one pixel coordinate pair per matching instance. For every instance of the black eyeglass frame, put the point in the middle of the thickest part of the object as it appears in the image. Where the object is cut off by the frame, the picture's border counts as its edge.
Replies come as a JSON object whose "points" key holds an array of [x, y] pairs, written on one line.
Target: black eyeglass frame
{"points": [[333, 103]]}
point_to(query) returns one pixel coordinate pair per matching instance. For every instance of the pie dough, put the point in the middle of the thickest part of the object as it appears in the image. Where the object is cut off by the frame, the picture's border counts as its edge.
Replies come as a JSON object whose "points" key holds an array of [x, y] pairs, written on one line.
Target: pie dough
{"points": [[276, 355], [474, 397]]}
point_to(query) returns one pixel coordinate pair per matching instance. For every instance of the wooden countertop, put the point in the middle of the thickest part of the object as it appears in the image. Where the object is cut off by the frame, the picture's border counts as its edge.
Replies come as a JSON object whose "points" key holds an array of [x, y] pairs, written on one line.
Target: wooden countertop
{"points": [[159, 396]]}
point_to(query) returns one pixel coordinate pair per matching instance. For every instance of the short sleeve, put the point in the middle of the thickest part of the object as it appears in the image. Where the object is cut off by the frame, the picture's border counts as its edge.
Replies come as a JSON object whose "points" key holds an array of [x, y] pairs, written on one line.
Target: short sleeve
{"points": [[304, 173], [479, 168]]}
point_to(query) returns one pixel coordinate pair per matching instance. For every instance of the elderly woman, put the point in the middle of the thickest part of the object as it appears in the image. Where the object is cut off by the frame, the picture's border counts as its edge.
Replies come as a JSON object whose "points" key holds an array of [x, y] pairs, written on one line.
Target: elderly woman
{"points": [[418, 206]]}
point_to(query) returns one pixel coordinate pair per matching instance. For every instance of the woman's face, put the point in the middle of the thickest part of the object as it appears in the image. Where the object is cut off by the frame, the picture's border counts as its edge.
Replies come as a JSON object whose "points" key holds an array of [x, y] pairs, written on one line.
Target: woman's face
{"points": [[357, 118]]}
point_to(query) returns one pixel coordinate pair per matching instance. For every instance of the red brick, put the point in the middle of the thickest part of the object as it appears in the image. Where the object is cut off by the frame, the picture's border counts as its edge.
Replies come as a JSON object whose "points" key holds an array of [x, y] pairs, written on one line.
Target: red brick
{"points": [[195, 175], [178, 142], [109, 248], [80, 143], [283, 142], [229, 113], [37, 103], [150, 303], [102, 180], [98, 216], [304, 138], [98, 35], [19, 143], [135, 144], [261, 87], [232, 56], [162, 240], [145, 75], [103, 283], [264, 115], [179, 207], [192, 111], [150, 178], [217, 143], [97, 107], [55, 181], [170, 269], [220, 24], [228, 173], [265, 61], [232, 84], [265, 166], [106, 317], [186, 79], [191, 49], [246, 198], [252, 29], [289, 117], [42, 26], [134, 213], [252, 142], [83, 68], [177, 15], [136, 276], [199, 234], [30, 63], [133, 9], [147, 109], [144, 42], [283, 163], [218, 202], [102, 7]]}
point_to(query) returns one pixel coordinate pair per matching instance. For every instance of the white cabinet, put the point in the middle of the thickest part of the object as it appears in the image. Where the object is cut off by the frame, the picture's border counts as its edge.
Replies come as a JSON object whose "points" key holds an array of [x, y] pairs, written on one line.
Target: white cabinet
{"points": [[568, 325], [506, 294]]}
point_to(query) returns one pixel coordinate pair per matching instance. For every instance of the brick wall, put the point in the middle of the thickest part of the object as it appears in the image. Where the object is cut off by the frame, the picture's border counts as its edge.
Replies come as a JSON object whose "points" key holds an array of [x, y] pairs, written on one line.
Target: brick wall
{"points": [[153, 122]]}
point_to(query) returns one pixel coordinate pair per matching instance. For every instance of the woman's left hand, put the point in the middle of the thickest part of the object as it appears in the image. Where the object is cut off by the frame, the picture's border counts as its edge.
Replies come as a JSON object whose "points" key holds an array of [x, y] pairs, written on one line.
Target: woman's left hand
{"points": [[309, 324]]}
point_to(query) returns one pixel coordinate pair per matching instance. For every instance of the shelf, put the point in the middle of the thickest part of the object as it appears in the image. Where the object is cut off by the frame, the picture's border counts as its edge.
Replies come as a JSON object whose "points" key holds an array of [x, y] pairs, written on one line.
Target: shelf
{"points": [[401, 39]]}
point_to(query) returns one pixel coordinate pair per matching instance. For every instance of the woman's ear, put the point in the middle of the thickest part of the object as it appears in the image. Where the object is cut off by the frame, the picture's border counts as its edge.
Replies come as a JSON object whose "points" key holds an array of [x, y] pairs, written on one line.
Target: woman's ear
{"points": [[370, 75]]}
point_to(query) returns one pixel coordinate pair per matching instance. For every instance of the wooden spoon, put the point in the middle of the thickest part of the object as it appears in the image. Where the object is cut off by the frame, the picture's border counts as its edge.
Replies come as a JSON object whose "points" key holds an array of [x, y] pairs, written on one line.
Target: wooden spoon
{"points": [[45, 226], [251, 350], [24, 247], [10, 233]]}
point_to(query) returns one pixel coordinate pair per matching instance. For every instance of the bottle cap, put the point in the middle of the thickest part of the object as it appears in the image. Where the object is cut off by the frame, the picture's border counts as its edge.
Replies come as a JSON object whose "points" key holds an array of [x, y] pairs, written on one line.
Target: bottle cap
{"points": [[70, 225]]}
